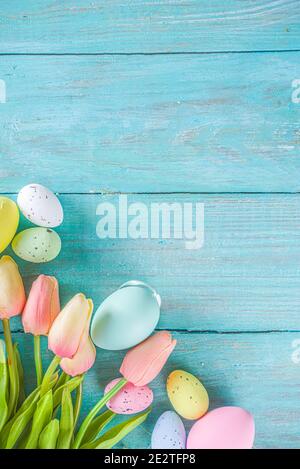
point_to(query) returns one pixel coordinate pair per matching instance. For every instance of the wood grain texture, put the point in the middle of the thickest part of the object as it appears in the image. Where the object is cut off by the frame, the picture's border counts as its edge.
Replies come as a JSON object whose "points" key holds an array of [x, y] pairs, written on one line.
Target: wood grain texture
{"points": [[250, 370], [142, 26], [213, 123], [170, 122], [245, 278]]}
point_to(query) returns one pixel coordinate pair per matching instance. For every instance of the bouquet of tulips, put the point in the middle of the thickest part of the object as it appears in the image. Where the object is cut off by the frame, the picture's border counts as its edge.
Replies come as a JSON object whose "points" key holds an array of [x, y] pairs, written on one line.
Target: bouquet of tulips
{"points": [[48, 417]]}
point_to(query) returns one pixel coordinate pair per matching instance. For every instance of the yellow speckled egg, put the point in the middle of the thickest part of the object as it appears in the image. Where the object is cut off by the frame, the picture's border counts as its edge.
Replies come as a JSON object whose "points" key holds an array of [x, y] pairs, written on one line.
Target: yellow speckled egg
{"points": [[9, 220], [187, 395]]}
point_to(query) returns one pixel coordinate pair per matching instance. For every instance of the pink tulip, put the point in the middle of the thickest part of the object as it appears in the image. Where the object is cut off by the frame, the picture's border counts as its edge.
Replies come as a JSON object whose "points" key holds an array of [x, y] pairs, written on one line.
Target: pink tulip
{"points": [[143, 363], [42, 306], [83, 359], [69, 326], [12, 293]]}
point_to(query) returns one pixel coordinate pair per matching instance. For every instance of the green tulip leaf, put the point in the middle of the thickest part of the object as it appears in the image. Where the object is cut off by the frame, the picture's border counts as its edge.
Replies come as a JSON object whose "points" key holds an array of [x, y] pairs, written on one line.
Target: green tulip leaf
{"points": [[97, 425], [3, 386], [66, 424], [41, 418], [19, 425], [53, 380], [63, 378], [21, 375], [33, 397], [49, 435], [70, 385], [117, 433]]}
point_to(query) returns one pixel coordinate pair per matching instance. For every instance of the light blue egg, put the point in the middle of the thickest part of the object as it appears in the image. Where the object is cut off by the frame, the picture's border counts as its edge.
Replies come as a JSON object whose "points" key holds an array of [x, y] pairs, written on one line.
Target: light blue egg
{"points": [[169, 432], [127, 317]]}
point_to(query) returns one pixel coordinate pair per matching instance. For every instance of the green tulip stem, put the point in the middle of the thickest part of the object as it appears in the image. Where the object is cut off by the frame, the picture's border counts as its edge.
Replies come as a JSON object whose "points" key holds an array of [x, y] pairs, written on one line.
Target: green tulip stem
{"points": [[38, 360], [95, 411], [12, 369], [78, 403], [49, 373]]}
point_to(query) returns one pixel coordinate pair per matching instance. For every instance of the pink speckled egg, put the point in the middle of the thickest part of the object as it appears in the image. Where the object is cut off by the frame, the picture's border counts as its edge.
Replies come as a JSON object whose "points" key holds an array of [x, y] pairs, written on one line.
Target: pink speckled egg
{"points": [[223, 428], [130, 399]]}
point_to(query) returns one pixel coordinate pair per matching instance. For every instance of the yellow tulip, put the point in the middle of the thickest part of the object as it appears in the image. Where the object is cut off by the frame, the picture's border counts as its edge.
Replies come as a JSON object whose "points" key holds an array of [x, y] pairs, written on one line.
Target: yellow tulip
{"points": [[12, 294]]}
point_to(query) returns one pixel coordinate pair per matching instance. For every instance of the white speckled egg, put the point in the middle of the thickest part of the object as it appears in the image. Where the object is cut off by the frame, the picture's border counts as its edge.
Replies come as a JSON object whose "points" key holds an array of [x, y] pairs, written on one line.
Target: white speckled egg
{"points": [[130, 399], [39, 205], [37, 245], [187, 395], [169, 432]]}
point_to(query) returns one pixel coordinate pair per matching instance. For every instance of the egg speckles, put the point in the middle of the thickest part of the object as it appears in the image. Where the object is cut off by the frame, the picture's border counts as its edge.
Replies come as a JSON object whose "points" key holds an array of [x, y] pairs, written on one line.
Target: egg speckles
{"points": [[9, 220], [37, 245], [39, 205], [187, 395], [130, 399], [169, 432]]}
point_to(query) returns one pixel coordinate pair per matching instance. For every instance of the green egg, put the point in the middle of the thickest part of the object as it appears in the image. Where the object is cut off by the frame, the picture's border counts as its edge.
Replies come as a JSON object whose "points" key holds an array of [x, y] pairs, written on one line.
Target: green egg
{"points": [[37, 245]]}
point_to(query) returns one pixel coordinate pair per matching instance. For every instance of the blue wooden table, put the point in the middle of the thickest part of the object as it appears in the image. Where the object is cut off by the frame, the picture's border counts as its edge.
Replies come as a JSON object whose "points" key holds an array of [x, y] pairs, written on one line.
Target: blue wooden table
{"points": [[171, 101]]}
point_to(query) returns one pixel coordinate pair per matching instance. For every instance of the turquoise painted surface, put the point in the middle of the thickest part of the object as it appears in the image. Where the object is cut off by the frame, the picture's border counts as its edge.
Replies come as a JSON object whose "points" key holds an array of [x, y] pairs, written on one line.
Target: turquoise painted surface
{"points": [[209, 123], [142, 26], [244, 278], [182, 124]]}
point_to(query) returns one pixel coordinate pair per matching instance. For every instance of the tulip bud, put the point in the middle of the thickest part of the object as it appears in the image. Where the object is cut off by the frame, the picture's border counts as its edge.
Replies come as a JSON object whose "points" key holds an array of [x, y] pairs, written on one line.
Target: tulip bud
{"points": [[144, 362], [69, 326], [12, 294], [83, 359], [42, 306]]}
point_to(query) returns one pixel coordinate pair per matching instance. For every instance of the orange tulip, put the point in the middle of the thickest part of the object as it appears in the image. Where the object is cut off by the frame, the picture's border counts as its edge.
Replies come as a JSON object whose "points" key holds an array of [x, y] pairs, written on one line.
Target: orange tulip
{"points": [[143, 363], [42, 306], [69, 326], [12, 293]]}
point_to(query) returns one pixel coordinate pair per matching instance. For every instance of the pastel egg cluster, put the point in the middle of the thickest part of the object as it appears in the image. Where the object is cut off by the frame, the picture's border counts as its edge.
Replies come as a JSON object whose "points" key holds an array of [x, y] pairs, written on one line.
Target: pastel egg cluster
{"points": [[41, 207], [222, 428]]}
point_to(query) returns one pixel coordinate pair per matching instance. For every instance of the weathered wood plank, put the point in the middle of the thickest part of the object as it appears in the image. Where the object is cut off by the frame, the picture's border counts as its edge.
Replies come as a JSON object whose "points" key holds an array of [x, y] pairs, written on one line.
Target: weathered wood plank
{"points": [[246, 276], [151, 124], [250, 370], [142, 26]]}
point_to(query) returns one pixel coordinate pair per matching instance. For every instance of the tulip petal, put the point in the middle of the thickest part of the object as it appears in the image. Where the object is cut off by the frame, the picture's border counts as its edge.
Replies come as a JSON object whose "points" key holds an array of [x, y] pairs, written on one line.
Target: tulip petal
{"points": [[12, 293], [42, 306], [82, 361], [144, 362], [69, 326]]}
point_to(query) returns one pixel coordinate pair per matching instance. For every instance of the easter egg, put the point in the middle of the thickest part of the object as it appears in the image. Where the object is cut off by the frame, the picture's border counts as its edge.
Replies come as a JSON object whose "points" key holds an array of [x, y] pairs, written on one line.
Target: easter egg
{"points": [[37, 245], [130, 399], [223, 428], [9, 220], [169, 432], [127, 317], [187, 395], [39, 205]]}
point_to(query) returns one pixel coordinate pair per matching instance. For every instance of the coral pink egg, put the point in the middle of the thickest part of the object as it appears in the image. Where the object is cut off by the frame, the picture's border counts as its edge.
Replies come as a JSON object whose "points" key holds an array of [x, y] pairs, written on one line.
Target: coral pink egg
{"points": [[130, 399], [223, 428]]}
